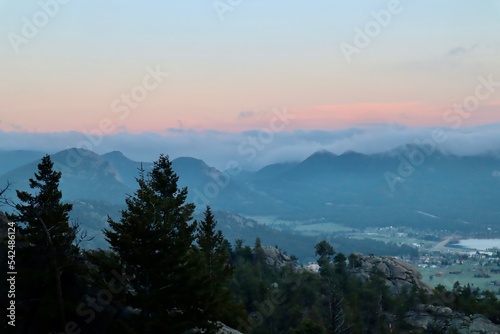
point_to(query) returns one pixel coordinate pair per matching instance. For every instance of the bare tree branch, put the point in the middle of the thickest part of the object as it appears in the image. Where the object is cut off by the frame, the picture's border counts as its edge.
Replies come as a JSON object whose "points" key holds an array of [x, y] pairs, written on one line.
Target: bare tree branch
{"points": [[3, 199], [2, 191], [81, 233], [5, 189]]}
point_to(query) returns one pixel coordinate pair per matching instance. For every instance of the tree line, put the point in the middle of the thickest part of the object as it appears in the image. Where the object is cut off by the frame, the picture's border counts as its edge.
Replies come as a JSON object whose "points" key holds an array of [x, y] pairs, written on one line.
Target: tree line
{"points": [[164, 273]]}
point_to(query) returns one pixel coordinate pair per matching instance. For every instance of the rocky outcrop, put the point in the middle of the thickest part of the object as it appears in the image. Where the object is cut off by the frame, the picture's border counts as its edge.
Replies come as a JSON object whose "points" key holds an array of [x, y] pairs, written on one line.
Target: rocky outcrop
{"points": [[222, 330], [227, 330], [399, 275], [276, 258], [440, 319]]}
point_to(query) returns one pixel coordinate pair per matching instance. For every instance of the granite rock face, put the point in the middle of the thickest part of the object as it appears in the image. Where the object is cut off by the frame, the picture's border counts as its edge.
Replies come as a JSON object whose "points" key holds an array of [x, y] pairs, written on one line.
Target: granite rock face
{"points": [[399, 275]]}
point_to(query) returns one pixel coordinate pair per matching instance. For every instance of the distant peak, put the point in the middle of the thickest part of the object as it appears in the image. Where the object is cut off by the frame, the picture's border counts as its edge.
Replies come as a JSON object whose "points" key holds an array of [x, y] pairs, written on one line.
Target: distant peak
{"points": [[323, 152], [189, 161], [320, 157], [115, 153], [79, 151], [352, 153]]}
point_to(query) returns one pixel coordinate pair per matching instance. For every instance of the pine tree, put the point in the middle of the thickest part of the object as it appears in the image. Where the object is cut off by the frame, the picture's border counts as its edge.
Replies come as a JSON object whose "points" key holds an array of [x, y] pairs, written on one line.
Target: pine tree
{"points": [[154, 240], [334, 277], [45, 216], [324, 250], [44, 224], [216, 255], [213, 246]]}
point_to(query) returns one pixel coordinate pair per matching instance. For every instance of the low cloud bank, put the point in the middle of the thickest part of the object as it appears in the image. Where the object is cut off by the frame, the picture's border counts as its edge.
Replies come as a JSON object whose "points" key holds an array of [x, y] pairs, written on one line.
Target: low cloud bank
{"points": [[255, 149]]}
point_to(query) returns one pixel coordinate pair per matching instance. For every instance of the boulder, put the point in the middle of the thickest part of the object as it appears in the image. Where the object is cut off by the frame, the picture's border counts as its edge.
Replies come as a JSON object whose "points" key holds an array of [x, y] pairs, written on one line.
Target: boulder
{"points": [[227, 330]]}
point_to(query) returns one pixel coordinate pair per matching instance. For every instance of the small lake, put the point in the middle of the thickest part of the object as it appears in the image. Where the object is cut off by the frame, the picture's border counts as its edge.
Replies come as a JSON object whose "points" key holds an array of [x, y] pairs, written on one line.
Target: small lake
{"points": [[479, 244]]}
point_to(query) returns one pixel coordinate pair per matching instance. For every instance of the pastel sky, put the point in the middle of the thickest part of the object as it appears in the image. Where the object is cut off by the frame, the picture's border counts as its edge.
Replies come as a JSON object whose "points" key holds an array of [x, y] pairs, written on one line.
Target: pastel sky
{"points": [[229, 66]]}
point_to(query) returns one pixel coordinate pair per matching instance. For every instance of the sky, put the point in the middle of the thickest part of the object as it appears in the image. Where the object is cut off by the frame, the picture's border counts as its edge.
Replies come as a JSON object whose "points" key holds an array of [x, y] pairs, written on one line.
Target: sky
{"points": [[177, 70]]}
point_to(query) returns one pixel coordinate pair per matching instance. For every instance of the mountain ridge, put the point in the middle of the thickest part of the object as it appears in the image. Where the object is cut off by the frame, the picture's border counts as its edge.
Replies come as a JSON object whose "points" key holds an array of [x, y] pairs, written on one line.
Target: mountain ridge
{"points": [[351, 189]]}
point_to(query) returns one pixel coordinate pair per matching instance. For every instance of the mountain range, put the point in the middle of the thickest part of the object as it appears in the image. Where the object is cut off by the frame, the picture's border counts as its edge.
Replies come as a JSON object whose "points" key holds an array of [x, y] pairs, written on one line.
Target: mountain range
{"points": [[404, 187]]}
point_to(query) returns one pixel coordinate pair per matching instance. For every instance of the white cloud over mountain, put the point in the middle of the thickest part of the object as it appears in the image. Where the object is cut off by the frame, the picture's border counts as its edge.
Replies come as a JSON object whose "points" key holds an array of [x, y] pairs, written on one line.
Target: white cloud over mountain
{"points": [[254, 149]]}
